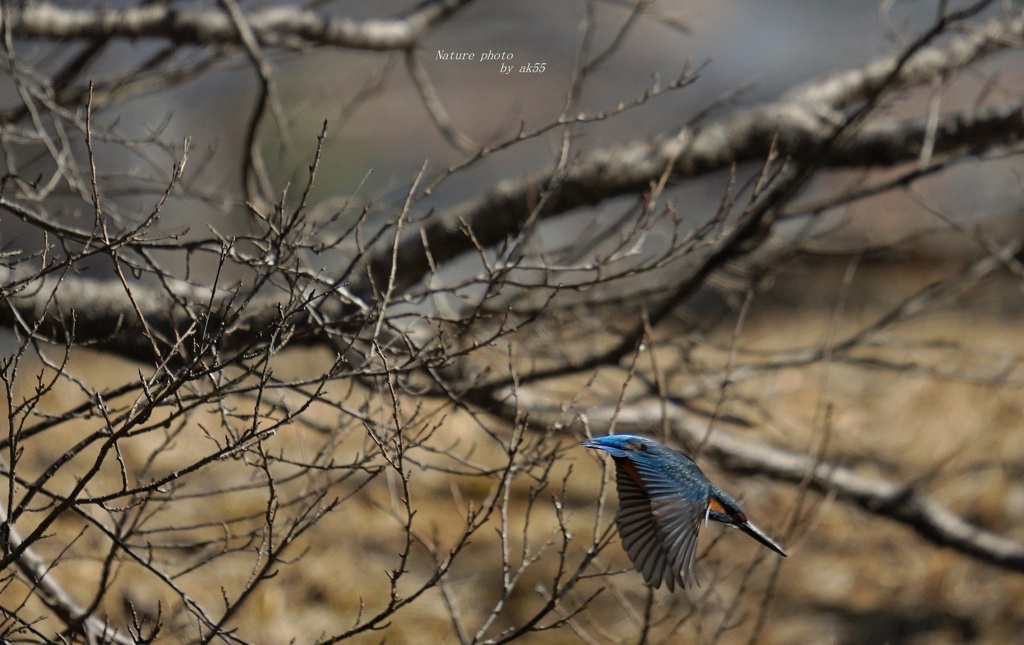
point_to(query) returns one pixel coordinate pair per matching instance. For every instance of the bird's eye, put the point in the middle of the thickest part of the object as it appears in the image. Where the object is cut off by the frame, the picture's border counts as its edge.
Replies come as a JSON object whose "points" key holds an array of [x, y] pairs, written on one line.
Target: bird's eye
{"points": [[638, 445]]}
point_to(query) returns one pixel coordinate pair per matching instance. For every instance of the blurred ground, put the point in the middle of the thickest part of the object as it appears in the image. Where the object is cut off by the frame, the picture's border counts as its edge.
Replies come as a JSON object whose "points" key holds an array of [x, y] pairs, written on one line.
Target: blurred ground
{"points": [[850, 578]]}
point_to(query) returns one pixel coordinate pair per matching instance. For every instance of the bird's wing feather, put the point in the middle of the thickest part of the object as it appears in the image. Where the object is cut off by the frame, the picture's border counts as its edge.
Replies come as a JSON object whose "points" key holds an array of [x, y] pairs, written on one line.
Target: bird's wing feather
{"points": [[679, 522], [640, 536], [659, 517], [679, 503]]}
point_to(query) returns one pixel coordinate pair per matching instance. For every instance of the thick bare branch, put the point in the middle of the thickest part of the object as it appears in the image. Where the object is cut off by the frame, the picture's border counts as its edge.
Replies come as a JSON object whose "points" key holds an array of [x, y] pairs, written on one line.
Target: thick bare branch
{"points": [[39, 575], [743, 454], [100, 314], [798, 126], [281, 26]]}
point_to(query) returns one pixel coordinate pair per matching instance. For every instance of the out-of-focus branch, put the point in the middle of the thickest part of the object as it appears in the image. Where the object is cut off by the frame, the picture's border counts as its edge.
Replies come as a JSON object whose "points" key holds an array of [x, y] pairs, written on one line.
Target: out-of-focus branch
{"points": [[285, 26], [100, 314], [847, 88], [743, 138], [39, 574], [274, 26], [500, 214], [254, 169], [743, 454], [895, 500], [800, 125], [797, 126]]}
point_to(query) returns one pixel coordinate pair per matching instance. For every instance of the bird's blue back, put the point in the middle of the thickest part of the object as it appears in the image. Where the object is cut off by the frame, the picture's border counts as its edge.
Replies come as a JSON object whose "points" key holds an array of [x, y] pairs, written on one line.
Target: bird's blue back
{"points": [[659, 463]]}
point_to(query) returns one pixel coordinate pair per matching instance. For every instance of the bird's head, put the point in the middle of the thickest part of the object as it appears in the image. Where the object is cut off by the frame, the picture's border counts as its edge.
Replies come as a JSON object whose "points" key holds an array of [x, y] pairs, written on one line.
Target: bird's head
{"points": [[625, 445]]}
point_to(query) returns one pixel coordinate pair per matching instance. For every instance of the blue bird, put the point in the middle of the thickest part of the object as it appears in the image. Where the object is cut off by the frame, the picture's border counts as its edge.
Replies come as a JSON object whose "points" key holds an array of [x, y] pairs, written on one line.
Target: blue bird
{"points": [[663, 498]]}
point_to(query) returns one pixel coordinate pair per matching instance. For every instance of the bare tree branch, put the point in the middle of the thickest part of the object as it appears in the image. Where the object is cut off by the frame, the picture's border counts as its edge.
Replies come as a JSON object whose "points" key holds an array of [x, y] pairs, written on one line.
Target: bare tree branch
{"points": [[798, 125], [277, 26], [742, 454], [40, 576], [347, 400], [794, 125]]}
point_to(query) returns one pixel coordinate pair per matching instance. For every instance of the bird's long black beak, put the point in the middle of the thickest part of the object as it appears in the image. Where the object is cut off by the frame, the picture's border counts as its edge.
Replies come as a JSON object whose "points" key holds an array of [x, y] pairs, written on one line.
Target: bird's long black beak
{"points": [[761, 537]]}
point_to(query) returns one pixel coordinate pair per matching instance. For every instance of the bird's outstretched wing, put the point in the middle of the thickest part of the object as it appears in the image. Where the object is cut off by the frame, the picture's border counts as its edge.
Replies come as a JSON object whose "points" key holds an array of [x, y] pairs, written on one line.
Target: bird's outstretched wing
{"points": [[658, 521]]}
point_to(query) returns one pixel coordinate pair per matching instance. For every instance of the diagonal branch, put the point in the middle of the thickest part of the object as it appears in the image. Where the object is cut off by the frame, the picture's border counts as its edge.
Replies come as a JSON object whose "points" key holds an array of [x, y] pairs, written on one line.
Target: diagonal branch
{"points": [[802, 125], [741, 454], [798, 126], [39, 575]]}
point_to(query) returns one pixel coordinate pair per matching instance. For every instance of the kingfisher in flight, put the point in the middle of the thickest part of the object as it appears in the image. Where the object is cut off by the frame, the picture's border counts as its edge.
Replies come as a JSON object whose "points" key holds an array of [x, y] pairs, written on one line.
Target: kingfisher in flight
{"points": [[663, 499]]}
